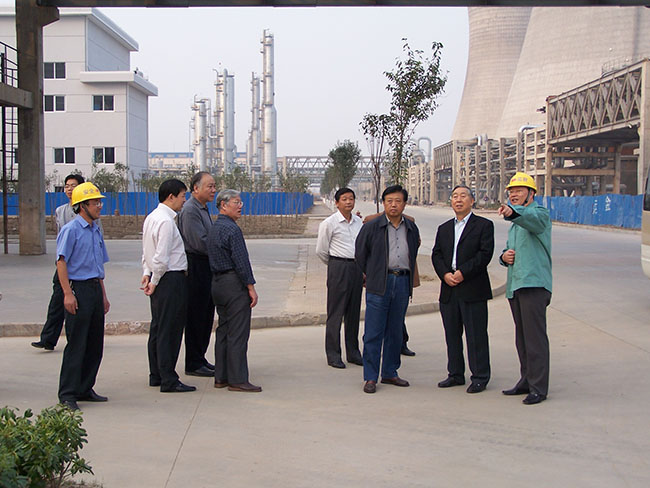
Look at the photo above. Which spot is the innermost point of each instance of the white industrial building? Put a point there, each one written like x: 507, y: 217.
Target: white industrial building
x: 96, y: 107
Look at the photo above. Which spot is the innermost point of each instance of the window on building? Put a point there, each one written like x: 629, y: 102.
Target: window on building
x: 53, y: 71
x: 104, y: 155
x: 103, y: 102
x: 64, y: 155
x: 54, y: 103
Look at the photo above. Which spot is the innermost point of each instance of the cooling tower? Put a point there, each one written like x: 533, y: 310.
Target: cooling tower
x: 566, y: 47
x: 496, y: 35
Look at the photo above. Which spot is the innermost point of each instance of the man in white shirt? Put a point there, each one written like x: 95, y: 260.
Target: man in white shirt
x: 335, y: 247
x: 164, y: 281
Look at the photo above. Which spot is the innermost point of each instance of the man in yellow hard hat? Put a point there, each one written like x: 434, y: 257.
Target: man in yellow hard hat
x: 528, y: 289
x: 81, y: 254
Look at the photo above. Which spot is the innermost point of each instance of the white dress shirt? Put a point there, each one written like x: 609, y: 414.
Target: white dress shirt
x: 459, y: 227
x: 336, y: 236
x: 162, y: 245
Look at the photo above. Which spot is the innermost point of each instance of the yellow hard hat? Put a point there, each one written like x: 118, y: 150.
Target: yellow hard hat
x: 85, y: 191
x: 519, y: 179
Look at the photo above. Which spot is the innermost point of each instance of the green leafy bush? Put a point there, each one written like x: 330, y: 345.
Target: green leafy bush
x: 41, y: 453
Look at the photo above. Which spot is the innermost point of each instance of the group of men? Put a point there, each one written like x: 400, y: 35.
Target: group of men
x: 381, y: 255
x: 189, y: 267
x: 182, y: 279
x: 192, y: 264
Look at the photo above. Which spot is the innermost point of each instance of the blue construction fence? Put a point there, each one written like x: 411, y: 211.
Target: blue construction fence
x: 617, y: 210
x: 141, y: 203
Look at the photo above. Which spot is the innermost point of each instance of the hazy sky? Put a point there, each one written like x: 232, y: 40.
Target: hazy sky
x: 329, y: 65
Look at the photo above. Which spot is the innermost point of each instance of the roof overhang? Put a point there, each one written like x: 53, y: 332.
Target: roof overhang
x: 129, y: 77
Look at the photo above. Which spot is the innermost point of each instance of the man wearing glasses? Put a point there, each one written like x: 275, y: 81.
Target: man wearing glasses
x: 81, y: 254
x: 233, y: 292
x: 55, y: 311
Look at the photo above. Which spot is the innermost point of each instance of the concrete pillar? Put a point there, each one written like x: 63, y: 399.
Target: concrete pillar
x: 30, y: 20
x: 502, y: 170
x: 644, y: 131
x: 616, y: 186
x: 548, y: 176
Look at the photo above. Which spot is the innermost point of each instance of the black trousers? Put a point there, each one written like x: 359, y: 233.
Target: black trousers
x: 85, y: 334
x: 528, y: 306
x: 473, y: 317
x: 344, y: 286
x: 168, y: 315
x: 55, y: 314
x: 200, y: 311
x: 233, y: 330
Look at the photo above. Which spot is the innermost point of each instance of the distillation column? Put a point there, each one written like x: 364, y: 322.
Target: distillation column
x: 200, y: 134
x: 253, y: 148
x: 269, y: 152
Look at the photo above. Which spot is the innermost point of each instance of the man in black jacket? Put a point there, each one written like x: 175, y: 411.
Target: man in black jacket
x: 461, y: 253
x: 386, y: 250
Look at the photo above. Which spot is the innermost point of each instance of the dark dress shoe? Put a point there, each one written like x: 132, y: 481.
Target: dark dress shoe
x: 202, y: 371
x: 245, y: 387
x: 406, y: 351
x: 397, y: 381
x: 533, y: 398
x: 356, y: 360
x: 337, y: 364
x: 70, y: 404
x: 516, y: 391
x: 476, y: 387
x: 154, y: 381
x: 450, y: 381
x: 178, y: 388
x: 42, y: 345
x: 370, y: 386
x: 220, y: 384
x: 209, y: 366
x: 92, y: 397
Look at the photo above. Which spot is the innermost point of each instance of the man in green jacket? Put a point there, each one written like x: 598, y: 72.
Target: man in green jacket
x: 528, y: 258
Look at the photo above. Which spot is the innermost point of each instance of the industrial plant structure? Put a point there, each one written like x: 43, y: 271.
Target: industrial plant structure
x: 562, y: 93
x: 213, y: 134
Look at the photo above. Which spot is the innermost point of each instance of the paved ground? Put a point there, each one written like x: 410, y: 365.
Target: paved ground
x: 313, y: 426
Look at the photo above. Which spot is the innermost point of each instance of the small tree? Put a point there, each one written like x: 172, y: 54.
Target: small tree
x: 345, y: 157
x: 262, y: 183
x: 328, y: 183
x: 237, y: 179
x: 414, y: 85
x: 111, y: 181
x: 376, y: 129
x: 293, y: 183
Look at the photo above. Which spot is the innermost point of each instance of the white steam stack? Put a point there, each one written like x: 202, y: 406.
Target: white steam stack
x: 269, y: 116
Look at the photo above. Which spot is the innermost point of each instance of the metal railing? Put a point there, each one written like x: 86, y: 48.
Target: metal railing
x: 9, y: 142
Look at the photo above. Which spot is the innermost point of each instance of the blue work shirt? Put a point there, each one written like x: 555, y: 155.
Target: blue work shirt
x: 82, y: 247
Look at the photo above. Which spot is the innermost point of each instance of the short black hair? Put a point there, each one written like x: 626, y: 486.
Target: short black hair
x: 74, y: 176
x: 170, y: 187
x: 471, y: 193
x: 196, y: 179
x: 395, y: 189
x: 342, y: 191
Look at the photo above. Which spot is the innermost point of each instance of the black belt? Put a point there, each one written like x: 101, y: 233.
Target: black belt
x: 336, y: 258
x: 90, y: 280
x: 218, y: 273
x: 398, y: 272
x: 197, y: 255
x: 177, y: 271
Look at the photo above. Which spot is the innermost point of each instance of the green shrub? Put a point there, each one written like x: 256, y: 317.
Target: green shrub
x: 42, y: 453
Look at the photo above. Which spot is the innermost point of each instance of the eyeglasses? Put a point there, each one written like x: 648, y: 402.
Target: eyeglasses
x: 239, y: 203
x: 98, y: 203
x: 70, y: 187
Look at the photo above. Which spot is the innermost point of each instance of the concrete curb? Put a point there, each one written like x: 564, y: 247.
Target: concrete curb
x: 288, y: 320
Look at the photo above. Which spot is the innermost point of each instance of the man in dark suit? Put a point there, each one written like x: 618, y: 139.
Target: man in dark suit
x: 461, y: 253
